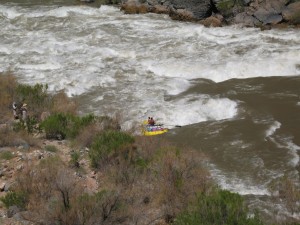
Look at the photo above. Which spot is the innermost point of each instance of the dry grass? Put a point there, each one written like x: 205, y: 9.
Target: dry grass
x: 156, y: 180
x: 8, y: 85
x: 63, y: 104
x: 10, y: 138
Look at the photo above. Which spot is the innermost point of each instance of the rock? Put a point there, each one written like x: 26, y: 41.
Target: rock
x: 273, y: 19
x: 181, y: 14
x: 6, y: 149
x: 2, y: 186
x: 211, y: 22
x: 160, y: 9
x: 87, y: 1
x: 134, y: 7
x: 12, y: 210
x: 190, y: 10
x: 269, y: 12
x: 8, y: 186
x: 247, y: 20
x: 21, y: 144
x: 267, y: 17
x: 291, y: 13
x: 20, y: 167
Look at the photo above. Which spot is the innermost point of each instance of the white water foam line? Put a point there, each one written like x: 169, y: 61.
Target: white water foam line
x: 287, y: 143
x: 237, y: 185
x: 272, y: 129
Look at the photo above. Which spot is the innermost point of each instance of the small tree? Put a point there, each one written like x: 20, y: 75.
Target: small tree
x: 218, y: 207
x: 106, y: 144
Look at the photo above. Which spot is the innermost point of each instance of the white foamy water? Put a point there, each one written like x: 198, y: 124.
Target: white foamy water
x: 272, y: 129
x: 237, y: 185
x: 136, y: 60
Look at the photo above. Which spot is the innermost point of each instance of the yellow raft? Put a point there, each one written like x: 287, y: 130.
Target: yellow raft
x: 153, y: 130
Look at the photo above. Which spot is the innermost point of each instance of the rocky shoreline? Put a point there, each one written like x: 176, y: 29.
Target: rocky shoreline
x: 216, y: 13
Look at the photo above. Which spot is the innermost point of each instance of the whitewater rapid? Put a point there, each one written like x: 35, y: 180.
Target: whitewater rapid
x: 135, y: 61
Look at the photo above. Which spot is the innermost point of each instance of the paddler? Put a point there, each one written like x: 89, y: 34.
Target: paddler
x: 151, y: 122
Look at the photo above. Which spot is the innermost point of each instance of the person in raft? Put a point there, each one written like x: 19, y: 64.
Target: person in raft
x: 151, y: 122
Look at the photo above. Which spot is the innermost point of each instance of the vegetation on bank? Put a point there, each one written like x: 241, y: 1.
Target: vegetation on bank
x: 140, y: 180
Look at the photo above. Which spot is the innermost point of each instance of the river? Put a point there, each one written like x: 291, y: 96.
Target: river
x: 234, y: 91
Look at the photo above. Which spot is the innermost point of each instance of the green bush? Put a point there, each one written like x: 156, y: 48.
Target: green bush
x: 14, y: 198
x: 107, y: 143
x: 220, y: 207
x: 75, y: 159
x: 65, y: 125
x: 30, y: 125
x: 35, y: 96
x: 7, y: 155
x: 51, y: 148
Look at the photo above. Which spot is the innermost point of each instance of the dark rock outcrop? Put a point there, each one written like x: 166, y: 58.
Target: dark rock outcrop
x: 247, y: 12
x: 292, y: 13
x: 192, y: 9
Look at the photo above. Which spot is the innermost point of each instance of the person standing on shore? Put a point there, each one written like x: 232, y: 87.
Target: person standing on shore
x: 15, y: 108
x: 24, y: 111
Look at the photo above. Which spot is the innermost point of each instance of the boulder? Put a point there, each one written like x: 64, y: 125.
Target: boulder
x: 12, y: 210
x: 212, y: 22
x: 269, y: 12
x: 246, y: 19
x: 291, y: 13
x: 134, y: 7
x: 2, y: 186
x: 191, y: 9
x: 159, y: 9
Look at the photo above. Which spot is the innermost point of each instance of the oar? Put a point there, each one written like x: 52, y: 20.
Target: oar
x: 170, y: 125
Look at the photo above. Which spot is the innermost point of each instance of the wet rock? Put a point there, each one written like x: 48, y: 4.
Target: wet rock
x: 87, y: 1
x: 134, y: 7
x: 190, y: 10
x: 159, y: 9
x: 212, y: 22
x: 267, y: 16
x: 246, y: 19
x: 273, y: 19
x: 291, y: 13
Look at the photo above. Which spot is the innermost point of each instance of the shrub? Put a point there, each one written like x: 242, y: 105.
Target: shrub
x: 61, y: 125
x: 7, y: 155
x: 51, y: 148
x: 105, y: 144
x: 75, y: 159
x: 103, y: 207
x: 14, y: 198
x: 7, y: 92
x: 61, y: 103
x: 35, y: 96
x: 219, y: 207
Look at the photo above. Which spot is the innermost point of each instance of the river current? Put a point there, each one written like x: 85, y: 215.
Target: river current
x: 234, y: 91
